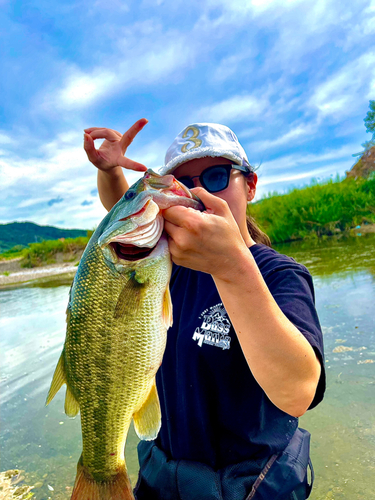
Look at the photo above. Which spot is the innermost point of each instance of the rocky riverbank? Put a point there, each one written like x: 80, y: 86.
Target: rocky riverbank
x: 11, y: 272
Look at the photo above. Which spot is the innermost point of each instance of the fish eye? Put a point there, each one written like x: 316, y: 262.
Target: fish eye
x: 129, y: 194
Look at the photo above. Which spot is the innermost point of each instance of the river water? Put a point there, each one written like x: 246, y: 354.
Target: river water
x: 46, y: 444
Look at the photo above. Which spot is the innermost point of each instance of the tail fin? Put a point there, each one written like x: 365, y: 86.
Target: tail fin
x: 86, y: 488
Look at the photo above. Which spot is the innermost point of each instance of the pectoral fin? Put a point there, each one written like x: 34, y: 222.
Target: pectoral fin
x: 167, y: 309
x: 147, y: 420
x: 58, y: 379
x: 71, y: 404
x: 130, y: 298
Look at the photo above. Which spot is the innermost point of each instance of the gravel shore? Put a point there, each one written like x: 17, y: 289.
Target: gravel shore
x: 32, y: 274
x: 12, y: 273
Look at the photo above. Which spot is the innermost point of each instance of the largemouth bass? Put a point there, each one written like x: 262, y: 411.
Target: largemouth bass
x: 117, y: 318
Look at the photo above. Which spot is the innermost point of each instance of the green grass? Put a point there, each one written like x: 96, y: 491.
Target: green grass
x: 317, y: 210
x: 39, y: 254
x: 13, y: 253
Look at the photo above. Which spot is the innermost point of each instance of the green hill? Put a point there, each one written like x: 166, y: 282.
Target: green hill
x: 23, y: 233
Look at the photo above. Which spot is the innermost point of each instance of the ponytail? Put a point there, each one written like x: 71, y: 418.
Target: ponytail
x: 257, y: 234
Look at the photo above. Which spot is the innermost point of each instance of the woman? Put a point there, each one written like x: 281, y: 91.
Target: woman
x: 244, y: 358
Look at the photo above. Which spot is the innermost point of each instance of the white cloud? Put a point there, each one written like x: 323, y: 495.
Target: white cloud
x: 301, y: 30
x: 5, y: 139
x: 234, y: 109
x: 324, y: 171
x: 294, y: 136
x: 285, y: 181
x: 152, y: 154
x: 114, y: 5
x: 32, y: 201
x: 82, y: 89
x: 340, y: 95
x: 136, y: 62
x: 262, y: 5
x: 253, y: 6
x: 234, y: 65
x: 249, y: 132
x: 60, y: 170
x: 289, y: 162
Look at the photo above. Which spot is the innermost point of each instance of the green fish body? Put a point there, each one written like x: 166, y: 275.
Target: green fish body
x: 117, y: 319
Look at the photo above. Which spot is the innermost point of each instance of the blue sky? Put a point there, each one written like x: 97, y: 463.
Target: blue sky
x: 292, y: 78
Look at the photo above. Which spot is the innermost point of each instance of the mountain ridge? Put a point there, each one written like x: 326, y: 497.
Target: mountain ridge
x: 23, y: 233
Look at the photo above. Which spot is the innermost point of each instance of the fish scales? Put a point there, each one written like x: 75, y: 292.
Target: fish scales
x: 89, y: 348
x: 117, y: 319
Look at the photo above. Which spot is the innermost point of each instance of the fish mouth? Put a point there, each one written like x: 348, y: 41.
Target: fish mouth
x: 130, y: 252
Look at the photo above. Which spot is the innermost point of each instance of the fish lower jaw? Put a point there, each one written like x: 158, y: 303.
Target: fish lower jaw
x: 130, y: 253
x: 121, y: 256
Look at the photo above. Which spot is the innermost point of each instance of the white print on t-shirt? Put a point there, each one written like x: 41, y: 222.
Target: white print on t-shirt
x: 214, y: 328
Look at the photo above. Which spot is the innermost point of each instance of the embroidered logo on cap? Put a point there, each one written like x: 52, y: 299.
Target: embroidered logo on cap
x: 192, y: 138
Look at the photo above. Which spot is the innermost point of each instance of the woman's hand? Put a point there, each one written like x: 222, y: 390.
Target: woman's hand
x: 111, y: 152
x: 109, y: 159
x: 208, y: 241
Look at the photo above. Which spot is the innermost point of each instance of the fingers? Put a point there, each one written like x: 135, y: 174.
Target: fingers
x: 89, y: 147
x: 110, y: 153
x: 213, y: 203
x: 178, y: 241
x: 180, y: 216
x: 175, y: 252
x: 129, y: 135
x: 131, y: 165
x: 103, y: 133
x: 169, y: 228
x: 113, y: 135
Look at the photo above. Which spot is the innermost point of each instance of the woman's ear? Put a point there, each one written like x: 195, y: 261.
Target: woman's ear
x: 251, y: 181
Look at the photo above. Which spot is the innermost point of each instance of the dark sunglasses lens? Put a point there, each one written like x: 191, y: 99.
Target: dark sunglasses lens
x: 215, y: 179
x: 186, y: 181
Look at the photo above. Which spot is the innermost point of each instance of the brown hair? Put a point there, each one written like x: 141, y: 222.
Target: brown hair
x: 256, y: 233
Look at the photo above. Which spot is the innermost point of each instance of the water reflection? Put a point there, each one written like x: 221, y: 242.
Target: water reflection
x: 47, y: 444
x: 343, y: 426
x: 334, y: 256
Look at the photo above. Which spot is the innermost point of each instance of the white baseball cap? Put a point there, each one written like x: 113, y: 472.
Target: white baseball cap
x: 205, y: 139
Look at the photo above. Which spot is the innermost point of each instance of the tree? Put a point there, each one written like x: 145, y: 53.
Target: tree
x: 370, y: 120
x: 370, y: 127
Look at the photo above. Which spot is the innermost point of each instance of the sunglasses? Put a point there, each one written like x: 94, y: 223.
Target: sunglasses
x: 213, y: 179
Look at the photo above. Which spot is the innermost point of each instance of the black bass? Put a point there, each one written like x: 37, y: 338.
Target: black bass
x: 117, y: 319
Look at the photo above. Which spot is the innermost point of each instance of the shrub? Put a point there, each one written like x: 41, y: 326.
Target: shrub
x: 38, y: 254
x: 316, y: 210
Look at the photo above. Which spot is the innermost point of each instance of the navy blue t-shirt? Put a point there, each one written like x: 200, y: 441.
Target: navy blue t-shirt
x: 213, y: 410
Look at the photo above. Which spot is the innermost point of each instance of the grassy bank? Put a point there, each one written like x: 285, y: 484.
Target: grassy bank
x: 39, y: 254
x: 317, y: 210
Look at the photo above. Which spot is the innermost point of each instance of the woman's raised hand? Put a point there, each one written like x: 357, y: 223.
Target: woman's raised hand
x: 111, y: 152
